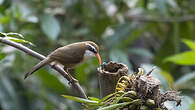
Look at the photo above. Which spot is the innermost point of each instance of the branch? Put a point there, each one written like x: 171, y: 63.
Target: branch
x: 161, y: 19
x: 76, y: 88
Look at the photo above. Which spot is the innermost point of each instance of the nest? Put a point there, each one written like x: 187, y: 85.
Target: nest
x: 143, y: 90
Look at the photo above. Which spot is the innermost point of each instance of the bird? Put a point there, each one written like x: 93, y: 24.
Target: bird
x: 69, y: 56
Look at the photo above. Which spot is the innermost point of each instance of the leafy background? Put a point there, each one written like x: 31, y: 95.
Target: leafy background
x: 142, y: 33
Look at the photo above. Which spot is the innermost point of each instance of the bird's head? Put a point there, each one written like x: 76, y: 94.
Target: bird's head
x: 92, y: 49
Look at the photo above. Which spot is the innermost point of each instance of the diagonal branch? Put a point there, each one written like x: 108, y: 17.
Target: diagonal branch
x: 76, y: 88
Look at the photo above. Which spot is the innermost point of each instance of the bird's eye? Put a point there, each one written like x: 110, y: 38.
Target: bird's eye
x: 91, y: 48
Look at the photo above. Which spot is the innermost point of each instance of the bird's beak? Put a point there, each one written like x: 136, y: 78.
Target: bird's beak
x: 98, y: 56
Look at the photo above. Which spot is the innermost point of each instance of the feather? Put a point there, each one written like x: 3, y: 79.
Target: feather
x: 38, y: 66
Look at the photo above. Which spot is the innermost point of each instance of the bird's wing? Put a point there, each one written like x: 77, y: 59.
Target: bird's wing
x: 38, y: 66
x: 66, y: 54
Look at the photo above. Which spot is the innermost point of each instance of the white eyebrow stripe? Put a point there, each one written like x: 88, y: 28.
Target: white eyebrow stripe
x: 91, y: 46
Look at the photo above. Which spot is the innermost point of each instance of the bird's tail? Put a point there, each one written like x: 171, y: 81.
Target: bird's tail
x: 38, y: 66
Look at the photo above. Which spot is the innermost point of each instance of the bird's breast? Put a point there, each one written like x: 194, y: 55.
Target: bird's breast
x: 88, y: 54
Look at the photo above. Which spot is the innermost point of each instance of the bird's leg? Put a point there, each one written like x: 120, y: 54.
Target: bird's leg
x: 71, y: 78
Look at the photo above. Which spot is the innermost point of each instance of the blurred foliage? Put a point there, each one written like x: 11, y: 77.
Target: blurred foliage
x: 185, y: 58
x: 192, y: 106
x: 113, y: 24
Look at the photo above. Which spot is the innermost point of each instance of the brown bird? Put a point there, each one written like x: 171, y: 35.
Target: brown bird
x: 69, y: 56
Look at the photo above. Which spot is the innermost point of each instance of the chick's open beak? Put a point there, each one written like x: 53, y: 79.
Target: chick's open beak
x: 98, y: 56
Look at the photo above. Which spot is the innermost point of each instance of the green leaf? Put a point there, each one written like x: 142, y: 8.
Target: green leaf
x: 94, y: 99
x: 193, y: 106
x: 2, y: 56
x: 81, y: 100
x: 19, y: 40
x: 2, y: 34
x: 186, y: 58
x: 50, y: 26
x: 114, y: 106
x: 108, y: 96
x: 119, y: 56
x: 189, y: 43
x: 11, y: 34
x: 121, y: 97
x: 5, y: 19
